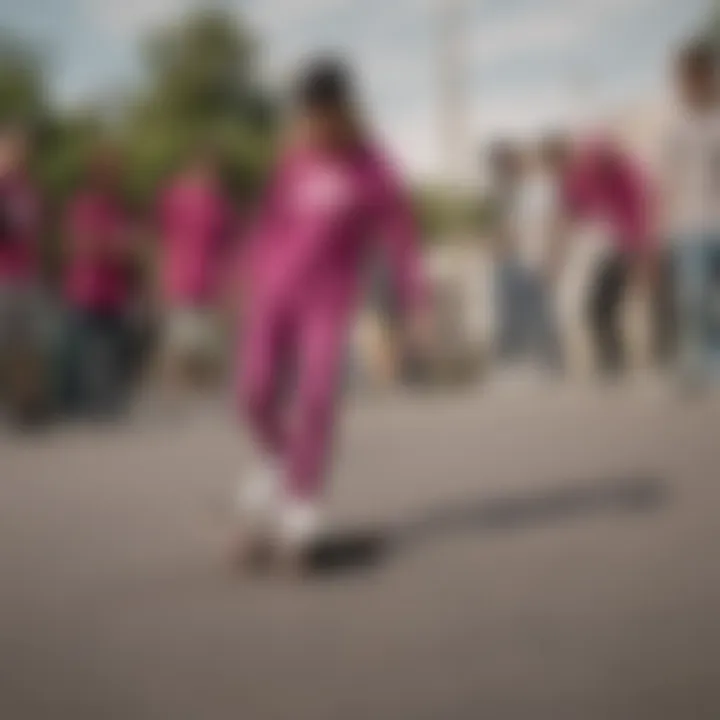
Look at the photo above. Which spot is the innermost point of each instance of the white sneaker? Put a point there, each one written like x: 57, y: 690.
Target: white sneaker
x: 300, y: 524
x: 258, y: 494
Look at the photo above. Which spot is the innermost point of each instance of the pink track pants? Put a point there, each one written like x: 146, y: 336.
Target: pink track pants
x: 295, y: 425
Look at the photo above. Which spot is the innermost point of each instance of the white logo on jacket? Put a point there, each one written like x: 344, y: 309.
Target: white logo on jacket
x: 323, y: 190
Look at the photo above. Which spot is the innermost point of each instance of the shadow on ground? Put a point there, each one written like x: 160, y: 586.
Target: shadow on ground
x: 363, y: 549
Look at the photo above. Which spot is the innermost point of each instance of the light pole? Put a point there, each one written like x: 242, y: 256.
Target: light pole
x: 451, y: 90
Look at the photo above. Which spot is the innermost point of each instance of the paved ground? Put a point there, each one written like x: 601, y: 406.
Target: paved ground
x: 549, y: 554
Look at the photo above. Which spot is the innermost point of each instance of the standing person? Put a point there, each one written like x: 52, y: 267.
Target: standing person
x: 332, y: 199
x: 195, y: 225
x: 24, y: 331
x: 536, y: 219
x: 602, y: 183
x: 506, y: 172
x: 100, y: 256
x: 691, y: 183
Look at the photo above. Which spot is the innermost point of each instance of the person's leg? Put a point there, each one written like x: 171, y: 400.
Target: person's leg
x: 93, y: 363
x: 178, y: 346
x: 126, y: 348
x: 713, y: 304
x: 260, y: 381
x: 604, y: 314
x: 664, y: 311
x: 545, y: 337
x: 509, y: 310
x: 110, y: 359
x: 691, y: 293
x: 167, y: 354
x: 259, y: 387
x: 31, y: 341
x: 321, y: 354
x: 203, y: 350
x: 524, y: 321
x: 5, y: 345
x: 71, y: 357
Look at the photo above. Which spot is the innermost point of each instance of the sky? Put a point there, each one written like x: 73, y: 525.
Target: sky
x: 528, y: 64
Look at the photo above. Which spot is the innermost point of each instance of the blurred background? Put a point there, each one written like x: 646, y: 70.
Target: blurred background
x: 156, y: 82
x: 553, y: 531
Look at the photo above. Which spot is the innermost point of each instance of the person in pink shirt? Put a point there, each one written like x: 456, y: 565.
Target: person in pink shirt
x: 100, y: 251
x: 333, y: 201
x: 603, y: 183
x: 25, y: 336
x: 195, y: 226
x: 19, y: 213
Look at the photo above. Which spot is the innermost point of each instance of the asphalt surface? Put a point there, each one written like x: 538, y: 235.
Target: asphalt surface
x: 541, y: 552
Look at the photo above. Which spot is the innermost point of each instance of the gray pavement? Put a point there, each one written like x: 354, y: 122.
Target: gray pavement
x: 548, y: 553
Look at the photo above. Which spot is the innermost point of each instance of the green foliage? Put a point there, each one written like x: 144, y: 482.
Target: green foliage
x: 444, y: 214
x: 64, y: 146
x: 201, y: 91
x: 200, y: 69
x: 22, y: 90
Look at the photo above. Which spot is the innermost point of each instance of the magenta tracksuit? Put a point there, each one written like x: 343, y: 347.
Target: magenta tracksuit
x: 19, y: 252
x: 623, y: 200
x: 195, y: 223
x: 322, y: 219
x: 97, y: 277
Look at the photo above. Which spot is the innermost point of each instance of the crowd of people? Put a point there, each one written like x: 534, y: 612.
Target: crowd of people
x: 294, y: 274
x: 73, y: 345
x: 662, y: 231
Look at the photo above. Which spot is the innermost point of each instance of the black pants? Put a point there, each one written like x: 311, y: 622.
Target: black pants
x: 605, y: 313
x: 95, y: 363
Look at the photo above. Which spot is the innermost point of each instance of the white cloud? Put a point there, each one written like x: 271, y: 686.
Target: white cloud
x: 282, y: 15
x: 413, y: 143
x: 130, y: 17
x: 530, y: 35
x: 398, y: 70
x: 553, y: 25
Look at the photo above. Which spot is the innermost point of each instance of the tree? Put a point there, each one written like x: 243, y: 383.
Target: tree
x: 22, y: 86
x: 201, y: 89
x: 710, y: 31
x: 442, y: 215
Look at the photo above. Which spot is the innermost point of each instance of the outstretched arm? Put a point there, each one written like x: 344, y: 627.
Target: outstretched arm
x: 398, y: 232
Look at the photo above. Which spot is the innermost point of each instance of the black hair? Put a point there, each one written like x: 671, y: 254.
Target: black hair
x: 698, y: 59
x: 325, y: 84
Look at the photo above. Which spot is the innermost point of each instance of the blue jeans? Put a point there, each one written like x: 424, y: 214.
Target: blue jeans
x: 528, y: 327
x: 697, y: 273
